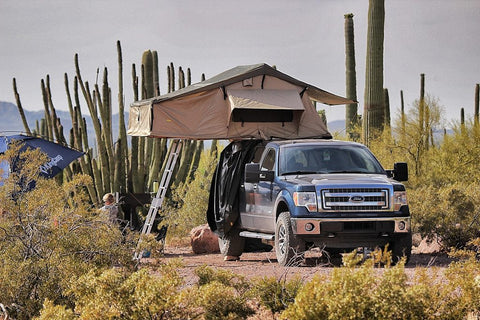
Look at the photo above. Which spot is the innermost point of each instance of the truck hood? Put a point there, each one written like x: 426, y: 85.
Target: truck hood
x: 339, y: 179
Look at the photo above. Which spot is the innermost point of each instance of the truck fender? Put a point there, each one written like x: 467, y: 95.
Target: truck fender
x: 284, y: 202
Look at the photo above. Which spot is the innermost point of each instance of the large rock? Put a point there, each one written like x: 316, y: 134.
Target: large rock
x: 203, y: 240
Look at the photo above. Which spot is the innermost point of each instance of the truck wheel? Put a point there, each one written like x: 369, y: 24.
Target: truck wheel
x: 402, y: 246
x: 232, y: 244
x: 288, y: 248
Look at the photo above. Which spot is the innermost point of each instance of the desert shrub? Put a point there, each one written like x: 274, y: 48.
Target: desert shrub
x: 362, y: 293
x: 220, y: 301
x: 228, y: 278
x: 276, y: 294
x: 51, y: 311
x: 190, y: 201
x: 451, y: 212
x: 464, y: 277
x: 222, y: 294
x: 116, y: 294
x: 49, y: 235
x: 346, y: 295
x: 455, y: 159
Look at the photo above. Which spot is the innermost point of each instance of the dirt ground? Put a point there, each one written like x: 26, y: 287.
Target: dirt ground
x: 259, y: 264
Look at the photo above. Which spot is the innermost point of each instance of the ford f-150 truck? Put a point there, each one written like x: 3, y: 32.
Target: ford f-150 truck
x: 325, y: 193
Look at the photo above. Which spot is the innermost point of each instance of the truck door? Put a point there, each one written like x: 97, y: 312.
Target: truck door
x: 265, y: 196
x: 247, y: 195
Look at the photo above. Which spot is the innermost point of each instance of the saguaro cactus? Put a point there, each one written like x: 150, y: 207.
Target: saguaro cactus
x: 386, y: 104
x: 402, y: 113
x: 462, y: 120
x: 477, y: 89
x: 351, y: 76
x: 374, y: 112
x: 421, y: 109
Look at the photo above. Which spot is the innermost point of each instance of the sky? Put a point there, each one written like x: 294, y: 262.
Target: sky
x: 304, y: 39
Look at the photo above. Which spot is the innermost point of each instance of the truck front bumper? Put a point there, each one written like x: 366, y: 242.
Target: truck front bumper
x: 331, y: 227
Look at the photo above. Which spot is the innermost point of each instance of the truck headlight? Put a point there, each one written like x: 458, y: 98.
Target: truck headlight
x: 306, y: 199
x: 399, y: 199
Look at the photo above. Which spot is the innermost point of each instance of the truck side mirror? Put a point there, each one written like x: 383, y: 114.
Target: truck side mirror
x: 400, y: 171
x: 253, y: 174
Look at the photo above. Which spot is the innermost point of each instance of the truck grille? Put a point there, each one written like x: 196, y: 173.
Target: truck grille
x: 355, y: 199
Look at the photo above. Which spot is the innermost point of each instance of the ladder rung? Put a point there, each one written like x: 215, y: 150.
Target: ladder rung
x: 156, y: 202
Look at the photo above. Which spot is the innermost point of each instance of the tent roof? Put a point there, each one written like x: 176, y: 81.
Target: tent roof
x: 245, y: 72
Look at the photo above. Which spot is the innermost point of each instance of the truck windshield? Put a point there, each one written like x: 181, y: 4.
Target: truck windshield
x: 309, y: 159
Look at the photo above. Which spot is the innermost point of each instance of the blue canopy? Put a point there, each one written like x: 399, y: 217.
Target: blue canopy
x: 59, y: 156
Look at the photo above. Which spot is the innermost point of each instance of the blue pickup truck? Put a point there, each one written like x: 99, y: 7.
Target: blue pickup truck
x: 325, y: 193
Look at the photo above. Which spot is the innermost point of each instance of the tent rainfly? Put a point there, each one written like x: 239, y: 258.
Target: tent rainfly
x: 246, y: 102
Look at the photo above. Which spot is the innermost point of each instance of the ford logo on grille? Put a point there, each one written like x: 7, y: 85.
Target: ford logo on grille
x: 356, y: 199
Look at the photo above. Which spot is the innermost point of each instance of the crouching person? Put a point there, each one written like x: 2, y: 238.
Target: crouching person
x: 111, y: 208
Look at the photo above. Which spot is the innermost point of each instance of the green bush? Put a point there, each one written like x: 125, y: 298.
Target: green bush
x: 276, y: 294
x: 51, y: 311
x: 364, y: 293
x: 222, y: 294
x: 50, y: 235
x: 208, y: 274
x: 191, y: 200
x: 220, y: 301
x: 116, y: 294
x: 451, y: 212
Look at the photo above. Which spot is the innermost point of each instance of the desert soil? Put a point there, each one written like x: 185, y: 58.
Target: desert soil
x: 259, y: 264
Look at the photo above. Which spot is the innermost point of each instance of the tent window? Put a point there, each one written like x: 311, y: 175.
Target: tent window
x: 247, y: 82
x: 262, y: 115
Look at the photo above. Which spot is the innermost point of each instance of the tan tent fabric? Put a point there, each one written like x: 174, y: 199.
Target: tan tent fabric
x: 199, y: 116
x: 139, y: 120
x: 265, y: 99
x: 242, y: 103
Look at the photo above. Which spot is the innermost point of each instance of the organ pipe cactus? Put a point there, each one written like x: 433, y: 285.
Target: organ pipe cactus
x: 20, y: 108
x: 103, y: 161
x: 112, y: 166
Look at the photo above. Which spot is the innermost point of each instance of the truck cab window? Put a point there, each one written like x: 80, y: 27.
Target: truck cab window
x: 269, y: 161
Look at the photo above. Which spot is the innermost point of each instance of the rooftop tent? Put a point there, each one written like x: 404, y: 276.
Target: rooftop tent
x: 246, y: 102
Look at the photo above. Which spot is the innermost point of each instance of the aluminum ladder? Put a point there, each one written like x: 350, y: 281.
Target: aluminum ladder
x: 160, y: 197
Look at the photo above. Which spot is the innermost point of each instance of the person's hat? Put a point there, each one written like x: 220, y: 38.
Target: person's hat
x: 107, y: 196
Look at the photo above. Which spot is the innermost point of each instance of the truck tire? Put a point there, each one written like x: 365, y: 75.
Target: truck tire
x: 401, y: 247
x: 232, y: 244
x: 288, y: 248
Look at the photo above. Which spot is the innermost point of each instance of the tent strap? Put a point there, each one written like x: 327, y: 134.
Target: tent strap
x: 302, y: 92
x: 224, y: 93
